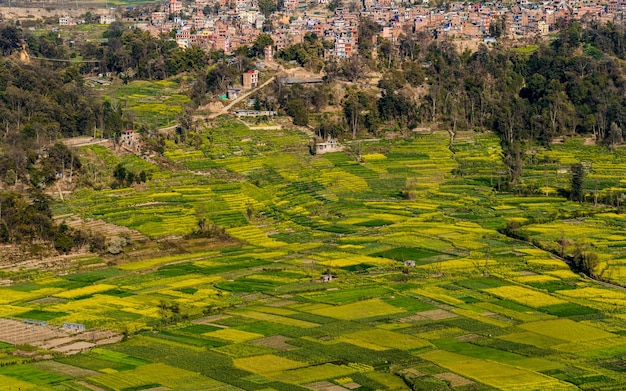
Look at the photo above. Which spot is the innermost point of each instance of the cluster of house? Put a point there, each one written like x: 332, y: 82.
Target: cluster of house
x: 238, y: 22
x: 249, y: 80
x: 522, y: 19
x: 71, y: 21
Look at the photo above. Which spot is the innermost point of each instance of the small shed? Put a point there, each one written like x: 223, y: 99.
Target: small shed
x: 330, y: 145
x: 233, y: 93
x: 409, y: 263
x: 326, y: 277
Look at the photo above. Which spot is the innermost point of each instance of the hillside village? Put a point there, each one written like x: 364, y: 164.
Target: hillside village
x: 229, y: 25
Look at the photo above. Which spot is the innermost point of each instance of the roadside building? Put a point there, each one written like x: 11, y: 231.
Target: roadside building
x: 251, y: 79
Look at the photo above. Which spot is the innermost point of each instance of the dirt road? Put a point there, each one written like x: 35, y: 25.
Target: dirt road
x: 225, y: 109
x: 84, y: 141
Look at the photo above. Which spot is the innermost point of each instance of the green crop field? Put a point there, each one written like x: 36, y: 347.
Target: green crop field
x: 478, y: 311
x: 156, y: 103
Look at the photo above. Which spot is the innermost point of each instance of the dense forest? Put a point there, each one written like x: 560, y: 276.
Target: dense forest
x: 570, y: 85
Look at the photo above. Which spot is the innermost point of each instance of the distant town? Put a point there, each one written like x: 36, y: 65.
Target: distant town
x: 227, y: 25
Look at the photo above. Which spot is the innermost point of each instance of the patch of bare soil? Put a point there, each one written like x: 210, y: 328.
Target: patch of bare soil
x: 107, y: 229
x: 557, y: 140
x: 325, y: 386
x: 87, y: 140
x: 275, y: 342
x: 454, y: 379
x: 15, y: 258
x: 467, y: 337
x: 462, y: 45
x: 208, y: 320
x: 591, y: 140
x: 302, y: 73
x: 437, y: 314
x: 65, y: 369
x: 211, y: 107
x: 413, y: 372
x: 53, y: 338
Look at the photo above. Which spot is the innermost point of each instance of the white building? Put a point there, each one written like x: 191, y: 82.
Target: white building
x: 67, y: 21
x: 107, y: 19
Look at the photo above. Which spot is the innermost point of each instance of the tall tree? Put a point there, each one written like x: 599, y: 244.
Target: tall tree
x: 10, y: 39
x: 267, y: 7
x: 578, y: 182
x: 296, y: 108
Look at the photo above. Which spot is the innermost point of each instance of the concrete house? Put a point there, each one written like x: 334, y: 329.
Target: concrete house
x: 251, y: 79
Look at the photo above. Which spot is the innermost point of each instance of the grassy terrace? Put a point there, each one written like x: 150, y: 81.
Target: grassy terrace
x: 479, y: 311
x: 157, y: 104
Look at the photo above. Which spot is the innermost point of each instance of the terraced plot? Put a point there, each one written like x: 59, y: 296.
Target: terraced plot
x: 477, y: 309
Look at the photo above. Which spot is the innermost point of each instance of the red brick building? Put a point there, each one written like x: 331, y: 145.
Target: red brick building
x: 251, y: 79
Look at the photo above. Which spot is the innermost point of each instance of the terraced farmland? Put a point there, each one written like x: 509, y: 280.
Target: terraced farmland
x: 476, y: 310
